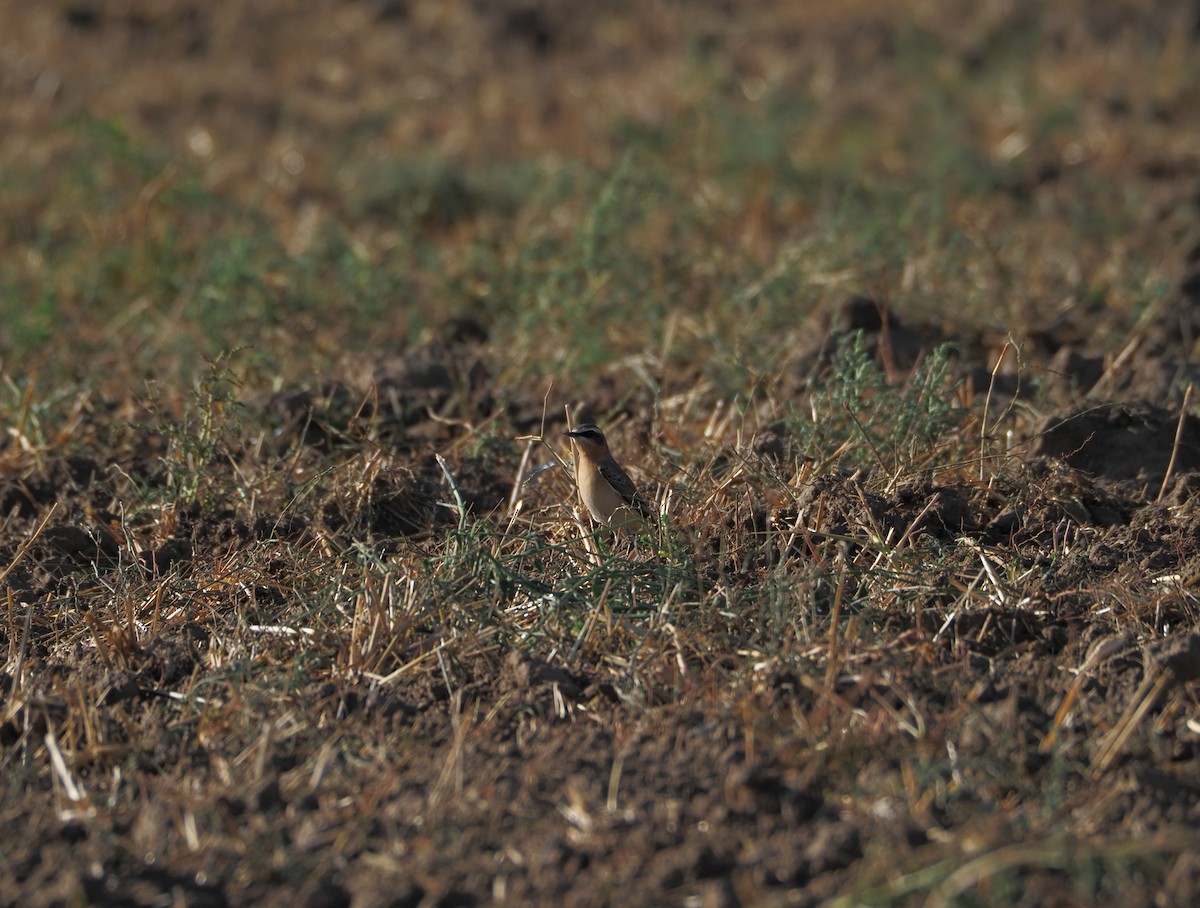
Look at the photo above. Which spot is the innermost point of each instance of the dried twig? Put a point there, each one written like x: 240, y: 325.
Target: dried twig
x: 1174, y: 661
x: 1183, y: 411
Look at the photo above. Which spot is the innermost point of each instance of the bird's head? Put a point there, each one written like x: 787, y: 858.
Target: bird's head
x: 589, y: 440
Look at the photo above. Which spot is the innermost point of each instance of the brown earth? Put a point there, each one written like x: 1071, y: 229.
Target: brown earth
x: 231, y: 701
x: 710, y: 766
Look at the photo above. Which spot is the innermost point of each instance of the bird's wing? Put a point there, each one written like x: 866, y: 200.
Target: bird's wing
x: 623, y: 486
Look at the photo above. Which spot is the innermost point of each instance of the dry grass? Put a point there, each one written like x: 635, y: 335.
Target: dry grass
x: 888, y: 310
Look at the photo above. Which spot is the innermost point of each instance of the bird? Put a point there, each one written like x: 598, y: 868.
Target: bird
x: 604, y: 487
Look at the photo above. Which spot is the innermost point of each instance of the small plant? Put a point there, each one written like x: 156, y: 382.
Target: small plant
x: 874, y: 423
x: 197, y: 439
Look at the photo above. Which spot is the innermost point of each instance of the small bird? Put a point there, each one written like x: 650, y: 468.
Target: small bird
x: 604, y: 487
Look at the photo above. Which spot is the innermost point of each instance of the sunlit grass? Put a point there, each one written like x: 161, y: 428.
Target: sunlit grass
x: 247, y: 416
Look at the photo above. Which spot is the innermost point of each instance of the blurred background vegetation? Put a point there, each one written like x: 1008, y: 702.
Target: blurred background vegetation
x: 588, y: 183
